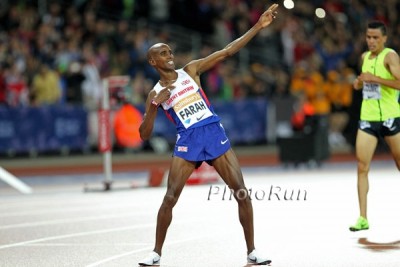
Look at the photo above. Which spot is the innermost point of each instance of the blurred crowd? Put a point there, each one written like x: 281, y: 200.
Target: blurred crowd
x: 57, y: 52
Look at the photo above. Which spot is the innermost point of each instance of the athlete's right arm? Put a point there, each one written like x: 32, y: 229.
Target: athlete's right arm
x: 146, y: 127
x: 152, y: 103
x: 358, y: 83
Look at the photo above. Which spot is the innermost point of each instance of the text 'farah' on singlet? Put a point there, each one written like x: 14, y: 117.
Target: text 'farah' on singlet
x: 187, y: 107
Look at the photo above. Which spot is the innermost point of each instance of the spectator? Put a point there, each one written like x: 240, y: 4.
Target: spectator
x: 310, y: 83
x: 92, y: 86
x: 303, y: 114
x: 17, y: 92
x: 46, y: 86
x: 127, y: 120
x: 73, y: 81
x: 339, y: 91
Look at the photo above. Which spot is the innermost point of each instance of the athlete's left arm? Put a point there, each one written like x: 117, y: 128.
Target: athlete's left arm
x: 392, y: 64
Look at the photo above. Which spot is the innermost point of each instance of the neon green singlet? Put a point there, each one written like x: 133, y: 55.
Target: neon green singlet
x: 379, y: 101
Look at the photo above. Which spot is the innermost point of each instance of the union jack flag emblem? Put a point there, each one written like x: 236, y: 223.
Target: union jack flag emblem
x: 182, y: 149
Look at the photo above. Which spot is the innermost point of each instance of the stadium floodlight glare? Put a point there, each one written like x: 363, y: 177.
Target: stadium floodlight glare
x: 288, y: 4
x: 320, y: 13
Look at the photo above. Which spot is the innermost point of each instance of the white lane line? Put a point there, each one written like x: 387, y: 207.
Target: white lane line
x: 57, y: 237
x: 53, y: 205
x: 89, y: 206
x: 33, y: 241
x: 119, y: 256
x: 97, y: 263
x: 74, y: 220
x: 127, y: 244
x: 80, y: 219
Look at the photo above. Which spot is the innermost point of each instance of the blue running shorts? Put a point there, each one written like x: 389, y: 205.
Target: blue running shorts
x: 203, y: 143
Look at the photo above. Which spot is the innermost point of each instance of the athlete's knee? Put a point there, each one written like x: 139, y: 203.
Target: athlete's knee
x: 363, y: 167
x: 170, y: 200
x: 241, y: 195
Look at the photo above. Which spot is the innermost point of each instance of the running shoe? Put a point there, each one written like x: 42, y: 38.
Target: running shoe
x: 361, y: 224
x: 153, y: 259
x: 255, y: 259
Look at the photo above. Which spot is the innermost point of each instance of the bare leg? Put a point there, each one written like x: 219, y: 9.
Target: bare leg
x: 228, y: 168
x: 394, y: 144
x: 365, y: 148
x: 179, y: 173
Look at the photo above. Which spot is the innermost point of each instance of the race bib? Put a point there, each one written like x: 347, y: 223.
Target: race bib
x: 371, y: 91
x: 192, y: 109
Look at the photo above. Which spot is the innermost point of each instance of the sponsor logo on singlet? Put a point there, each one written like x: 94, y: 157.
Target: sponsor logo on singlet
x: 192, y: 109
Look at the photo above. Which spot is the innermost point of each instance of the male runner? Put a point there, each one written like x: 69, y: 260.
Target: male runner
x: 380, y: 113
x: 201, y: 136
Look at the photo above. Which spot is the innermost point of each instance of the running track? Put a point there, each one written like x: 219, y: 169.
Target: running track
x: 61, y: 225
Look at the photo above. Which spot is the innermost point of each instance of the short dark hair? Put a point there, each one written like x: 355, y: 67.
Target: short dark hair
x: 377, y: 25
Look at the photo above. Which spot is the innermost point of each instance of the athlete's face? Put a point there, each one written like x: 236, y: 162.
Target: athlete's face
x: 375, y: 40
x: 161, y: 57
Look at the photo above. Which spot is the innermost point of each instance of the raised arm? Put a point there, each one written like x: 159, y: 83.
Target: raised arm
x: 196, y: 67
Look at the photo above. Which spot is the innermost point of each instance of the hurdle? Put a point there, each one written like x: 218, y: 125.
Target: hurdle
x: 105, y: 128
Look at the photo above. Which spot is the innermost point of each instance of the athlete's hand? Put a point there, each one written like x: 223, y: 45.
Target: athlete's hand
x: 268, y: 16
x: 357, y: 84
x: 164, y: 94
x: 367, y: 77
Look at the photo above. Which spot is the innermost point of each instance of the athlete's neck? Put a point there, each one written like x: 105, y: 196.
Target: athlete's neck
x: 376, y: 53
x: 168, y: 79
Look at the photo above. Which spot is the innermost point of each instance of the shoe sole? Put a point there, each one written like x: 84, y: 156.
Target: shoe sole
x: 356, y: 230
x: 145, y: 264
x: 260, y: 263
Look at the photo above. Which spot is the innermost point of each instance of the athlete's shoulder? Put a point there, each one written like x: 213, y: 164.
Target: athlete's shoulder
x: 391, y: 55
x: 191, y: 68
x: 389, y: 50
x: 364, y: 56
x: 181, y: 72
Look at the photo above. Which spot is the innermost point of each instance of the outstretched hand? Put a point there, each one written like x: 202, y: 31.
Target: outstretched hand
x: 268, y: 16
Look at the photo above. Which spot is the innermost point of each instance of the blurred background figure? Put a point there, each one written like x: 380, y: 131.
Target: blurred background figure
x: 340, y: 92
x: 17, y: 91
x: 2, y: 85
x: 46, y: 88
x: 73, y: 83
x: 303, y: 117
x: 127, y: 119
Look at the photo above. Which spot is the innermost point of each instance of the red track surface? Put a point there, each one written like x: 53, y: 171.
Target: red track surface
x: 138, y: 162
